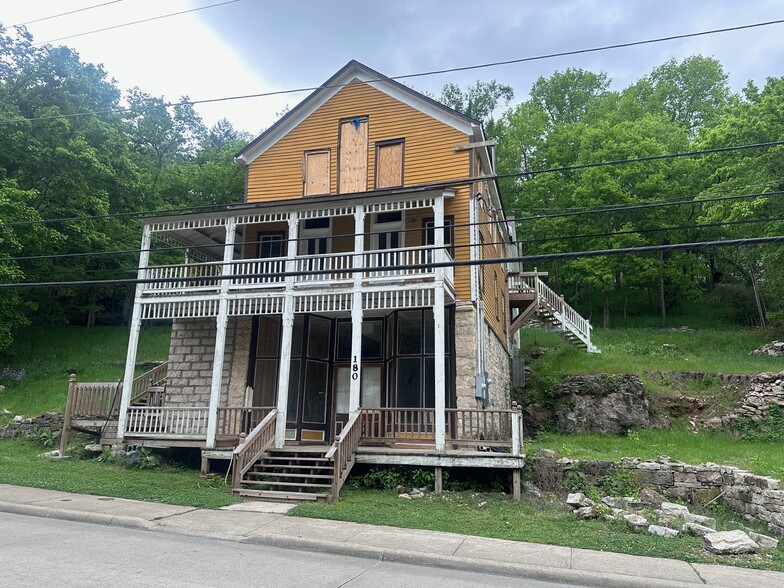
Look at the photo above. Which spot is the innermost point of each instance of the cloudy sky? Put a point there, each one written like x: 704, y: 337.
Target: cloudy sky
x: 254, y: 46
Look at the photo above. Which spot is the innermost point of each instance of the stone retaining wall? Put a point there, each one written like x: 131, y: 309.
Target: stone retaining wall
x: 758, y: 498
x: 49, y: 420
x: 764, y: 390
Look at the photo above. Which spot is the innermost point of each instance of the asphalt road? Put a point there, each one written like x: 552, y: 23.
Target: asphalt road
x: 46, y: 552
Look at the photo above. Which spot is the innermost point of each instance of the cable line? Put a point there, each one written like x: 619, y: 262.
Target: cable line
x: 127, y: 24
x: 404, y: 76
x: 23, y: 24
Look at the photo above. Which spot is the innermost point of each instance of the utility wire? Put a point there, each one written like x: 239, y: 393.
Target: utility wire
x: 127, y: 24
x: 29, y: 22
x: 412, y: 75
x: 420, y: 266
x: 430, y: 185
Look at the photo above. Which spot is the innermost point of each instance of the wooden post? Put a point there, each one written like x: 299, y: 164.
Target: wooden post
x: 133, y: 339
x: 439, y: 482
x: 67, y: 415
x: 516, y: 429
x: 358, y: 261
x: 516, y: 494
x: 438, y: 325
x: 220, y: 336
x: 288, y: 331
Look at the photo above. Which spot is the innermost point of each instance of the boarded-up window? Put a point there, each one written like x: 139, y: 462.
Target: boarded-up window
x: 315, y: 172
x: 353, y: 159
x: 389, y: 164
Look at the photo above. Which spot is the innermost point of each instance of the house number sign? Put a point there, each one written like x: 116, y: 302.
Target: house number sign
x: 355, y: 369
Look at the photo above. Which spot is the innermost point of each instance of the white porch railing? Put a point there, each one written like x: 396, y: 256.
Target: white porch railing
x: 316, y: 270
x: 186, y: 421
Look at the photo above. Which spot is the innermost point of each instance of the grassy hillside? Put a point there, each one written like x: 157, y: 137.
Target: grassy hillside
x: 35, y: 370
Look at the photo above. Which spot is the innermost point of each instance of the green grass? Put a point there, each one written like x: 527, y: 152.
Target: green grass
x: 639, y: 350
x: 761, y: 458
x: 20, y: 465
x: 49, y: 356
x: 544, y: 520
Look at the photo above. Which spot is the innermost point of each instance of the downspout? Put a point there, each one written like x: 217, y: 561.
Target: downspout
x: 475, y: 268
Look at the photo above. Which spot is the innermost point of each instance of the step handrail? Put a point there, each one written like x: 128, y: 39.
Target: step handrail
x: 342, y: 454
x: 144, y: 381
x: 256, y: 443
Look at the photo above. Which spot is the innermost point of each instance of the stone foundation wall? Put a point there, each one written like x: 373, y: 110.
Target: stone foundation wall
x: 19, y: 427
x: 498, y: 366
x: 465, y: 356
x: 759, y: 498
x: 191, y: 354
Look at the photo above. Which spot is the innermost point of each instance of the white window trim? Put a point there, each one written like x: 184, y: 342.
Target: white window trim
x: 376, y: 228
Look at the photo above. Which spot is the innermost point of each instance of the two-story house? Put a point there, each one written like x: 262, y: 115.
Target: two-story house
x: 348, y: 311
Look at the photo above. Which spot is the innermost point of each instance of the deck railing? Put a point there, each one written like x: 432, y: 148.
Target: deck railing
x: 258, y: 273
x: 92, y: 400
x: 471, y: 428
x: 388, y: 425
x: 330, y: 267
x: 342, y: 453
x: 256, y: 443
x: 185, y: 421
x: 234, y: 421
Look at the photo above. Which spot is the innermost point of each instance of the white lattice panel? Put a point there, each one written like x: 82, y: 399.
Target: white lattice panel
x: 262, y: 217
x: 194, y: 223
x: 326, y: 212
x: 322, y: 302
x: 390, y: 300
x: 392, y: 205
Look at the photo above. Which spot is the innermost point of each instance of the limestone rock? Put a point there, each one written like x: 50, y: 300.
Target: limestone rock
x: 699, y: 520
x: 587, y: 512
x: 547, y: 453
x: 400, y: 489
x: 670, y: 509
x: 94, y: 448
x: 764, y: 540
x: 651, y: 497
x: 578, y: 499
x: 636, y: 522
x: 696, y: 529
x: 729, y: 543
x: 601, y: 403
x: 662, y: 531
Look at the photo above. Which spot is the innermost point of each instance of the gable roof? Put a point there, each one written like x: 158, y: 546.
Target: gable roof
x: 351, y: 71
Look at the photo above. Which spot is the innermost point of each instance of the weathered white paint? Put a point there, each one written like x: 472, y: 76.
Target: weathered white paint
x: 288, y: 328
x: 133, y: 340
x: 438, y: 324
x: 220, y: 336
x: 356, y: 310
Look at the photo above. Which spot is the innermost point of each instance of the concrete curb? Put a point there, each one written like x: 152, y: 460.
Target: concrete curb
x: 528, y: 571
x: 78, y: 516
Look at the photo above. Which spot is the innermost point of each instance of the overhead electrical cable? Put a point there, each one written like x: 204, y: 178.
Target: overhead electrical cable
x: 29, y: 22
x: 407, y: 267
x: 403, y: 76
x: 127, y: 24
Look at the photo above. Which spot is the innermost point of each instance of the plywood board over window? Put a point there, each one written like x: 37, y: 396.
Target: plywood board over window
x: 315, y: 172
x: 353, y: 155
x: 389, y: 164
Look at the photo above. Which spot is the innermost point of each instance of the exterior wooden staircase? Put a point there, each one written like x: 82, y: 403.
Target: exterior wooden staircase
x: 289, y: 474
x: 531, y: 298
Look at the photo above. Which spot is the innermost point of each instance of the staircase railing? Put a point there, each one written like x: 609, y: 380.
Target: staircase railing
x: 342, y: 454
x: 256, y: 443
x: 147, y: 379
x: 568, y: 316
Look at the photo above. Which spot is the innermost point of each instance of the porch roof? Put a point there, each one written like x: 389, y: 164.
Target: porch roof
x: 204, y: 231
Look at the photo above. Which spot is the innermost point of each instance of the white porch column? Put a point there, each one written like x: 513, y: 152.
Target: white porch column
x: 356, y: 308
x: 438, y: 323
x: 133, y: 340
x: 220, y: 335
x: 288, y: 328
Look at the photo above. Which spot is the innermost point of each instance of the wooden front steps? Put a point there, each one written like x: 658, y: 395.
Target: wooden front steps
x: 290, y: 474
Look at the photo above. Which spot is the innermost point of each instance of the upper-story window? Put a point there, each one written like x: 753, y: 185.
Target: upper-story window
x: 315, y: 172
x: 389, y: 163
x: 353, y: 155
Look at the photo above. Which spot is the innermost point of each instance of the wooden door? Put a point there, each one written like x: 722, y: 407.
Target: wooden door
x: 353, y: 155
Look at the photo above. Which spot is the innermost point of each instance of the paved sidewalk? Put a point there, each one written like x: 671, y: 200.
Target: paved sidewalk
x: 266, y: 523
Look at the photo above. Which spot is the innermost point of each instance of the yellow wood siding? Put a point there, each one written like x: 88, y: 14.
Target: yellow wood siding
x: 495, y: 292
x: 429, y: 154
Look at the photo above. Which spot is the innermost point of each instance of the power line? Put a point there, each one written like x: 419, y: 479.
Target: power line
x: 654, y: 230
x: 432, y: 185
x: 647, y: 205
x: 419, y: 266
x: 29, y: 22
x: 403, y: 76
x: 127, y: 24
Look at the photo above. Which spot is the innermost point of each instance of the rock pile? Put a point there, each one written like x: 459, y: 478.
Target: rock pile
x: 773, y: 348
x: 764, y: 390
x: 670, y: 520
x: 20, y: 426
